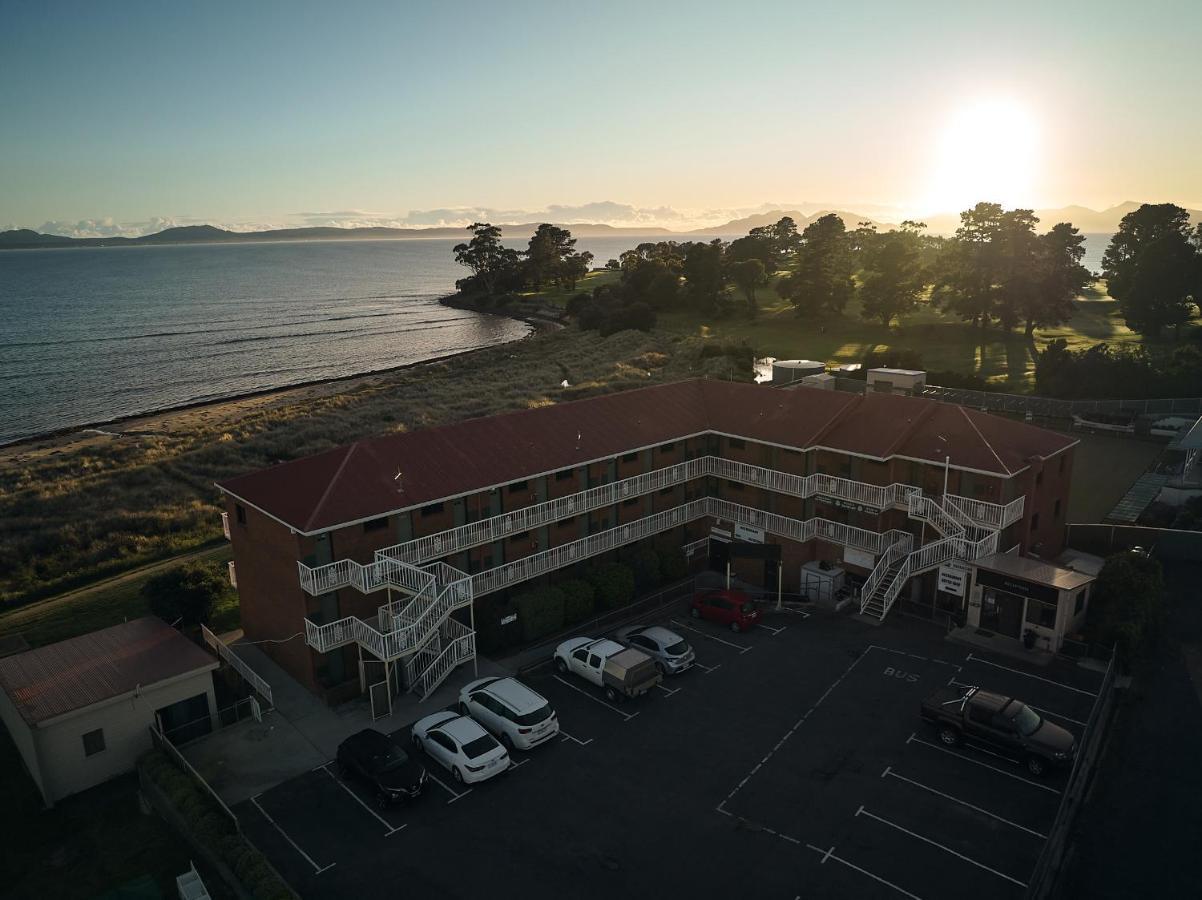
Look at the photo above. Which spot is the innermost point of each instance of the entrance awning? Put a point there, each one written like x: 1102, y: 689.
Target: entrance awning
x: 1035, y: 571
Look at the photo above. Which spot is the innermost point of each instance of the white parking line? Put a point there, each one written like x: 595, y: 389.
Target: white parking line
x: 707, y: 669
x: 668, y: 691
x: 889, y: 773
x: 455, y: 795
x: 517, y: 765
x: 913, y: 834
x: 775, y: 631
x: 611, y: 708
x: 379, y: 818
x: 742, y: 648
x: 1067, y: 687
x: 830, y: 854
x: 317, y: 870
x: 914, y: 738
x: 576, y: 740
x: 796, y: 612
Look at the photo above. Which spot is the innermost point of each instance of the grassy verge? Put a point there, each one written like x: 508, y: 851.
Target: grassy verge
x: 558, y: 296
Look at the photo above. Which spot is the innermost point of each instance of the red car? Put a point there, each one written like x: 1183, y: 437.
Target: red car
x: 732, y: 608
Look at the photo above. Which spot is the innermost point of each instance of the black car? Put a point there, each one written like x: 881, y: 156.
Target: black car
x: 377, y: 759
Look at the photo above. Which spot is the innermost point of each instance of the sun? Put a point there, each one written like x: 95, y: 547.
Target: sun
x: 986, y: 151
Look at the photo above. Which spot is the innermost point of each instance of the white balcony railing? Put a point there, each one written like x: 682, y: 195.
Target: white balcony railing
x: 225, y: 525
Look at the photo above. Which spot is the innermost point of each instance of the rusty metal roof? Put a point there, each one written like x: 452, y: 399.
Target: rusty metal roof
x: 59, y: 678
x: 378, y: 476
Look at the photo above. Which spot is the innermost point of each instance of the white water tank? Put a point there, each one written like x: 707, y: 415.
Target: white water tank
x: 785, y: 371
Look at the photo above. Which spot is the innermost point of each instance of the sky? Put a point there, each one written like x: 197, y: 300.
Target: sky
x: 127, y: 117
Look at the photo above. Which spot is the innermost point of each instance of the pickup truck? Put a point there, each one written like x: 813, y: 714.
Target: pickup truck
x: 619, y: 671
x: 1001, y: 722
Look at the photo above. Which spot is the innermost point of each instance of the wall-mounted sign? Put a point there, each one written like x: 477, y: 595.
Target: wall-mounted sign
x: 751, y: 535
x: 720, y: 533
x: 861, y: 558
x: 953, y: 580
x: 512, y: 617
x: 1018, y: 586
x: 847, y: 504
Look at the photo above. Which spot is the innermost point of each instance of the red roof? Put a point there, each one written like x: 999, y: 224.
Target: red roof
x: 58, y: 678
x: 377, y: 476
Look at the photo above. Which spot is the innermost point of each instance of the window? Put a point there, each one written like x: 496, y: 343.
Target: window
x: 432, y: 510
x: 665, y: 491
x: 581, y: 655
x: 93, y: 742
x: 979, y: 714
x: 630, y: 501
x: 630, y: 457
x: 518, y: 486
x: 1040, y: 613
x: 1056, y: 510
x: 594, y: 661
x: 736, y: 443
x: 520, y: 536
x: 240, y: 513
x: 565, y: 475
x: 667, y: 448
x: 1035, y: 521
x: 376, y: 524
x: 565, y: 523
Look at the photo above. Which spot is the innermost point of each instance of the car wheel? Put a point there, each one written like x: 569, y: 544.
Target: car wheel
x: 659, y: 667
x: 417, y: 742
x: 611, y: 695
x: 695, y: 612
x: 949, y: 737
x: 507, y: 742
x: 1036, y: 765
x: 734, y: 626
x: 382, y: 801
x: 561, y: 666
x: 458, y: 775
x: 343, y: 771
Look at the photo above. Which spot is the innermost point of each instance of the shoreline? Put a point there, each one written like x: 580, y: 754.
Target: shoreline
x: 157, y: 421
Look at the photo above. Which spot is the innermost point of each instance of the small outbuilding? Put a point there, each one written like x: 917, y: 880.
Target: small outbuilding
x: 80, y: 711
x: 1012, y: 595
x: 897, y: 381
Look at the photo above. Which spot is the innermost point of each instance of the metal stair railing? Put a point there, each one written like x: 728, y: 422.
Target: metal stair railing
x: 365, y: 578
x: 457, y: 652
x: 896, y: 551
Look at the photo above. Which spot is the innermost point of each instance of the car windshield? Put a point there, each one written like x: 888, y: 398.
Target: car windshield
x: 535, y: 716
x: 680, y: 648
x: 1027, y: 721
x: 478, y: 747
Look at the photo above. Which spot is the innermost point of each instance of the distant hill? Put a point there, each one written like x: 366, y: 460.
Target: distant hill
x: 24, y: 238
x: 1086, y: 220
x: 759, y: 220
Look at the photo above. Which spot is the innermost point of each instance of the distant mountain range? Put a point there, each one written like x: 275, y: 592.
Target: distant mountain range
x: 1089, y: 221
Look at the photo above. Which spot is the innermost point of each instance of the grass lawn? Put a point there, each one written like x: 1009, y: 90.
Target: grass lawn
x: 1103, y: 469
x: 944, y: 342
x: 558, y: 296
x: 87, y: 844
x: 111, y: 602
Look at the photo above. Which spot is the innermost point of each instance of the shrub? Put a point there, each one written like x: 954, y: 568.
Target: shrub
x: 491, y: 635
x: 577, y: 599
x: 187, y: 592
x: 645, y: 563
x: 540, y: 612
x: 672, y: 563
x: 613, y: 585
x: 1127, y: 604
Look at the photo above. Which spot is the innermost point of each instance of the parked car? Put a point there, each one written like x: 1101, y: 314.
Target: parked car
x: 379, y: 761
x: 461, y: 746
x: 1002, y: 722
x: 733, y: 609
x: 619, y: 671
x: 520, y: 717
x: 670, y: 652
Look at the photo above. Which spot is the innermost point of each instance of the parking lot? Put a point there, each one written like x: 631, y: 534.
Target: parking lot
x: 790, y: 762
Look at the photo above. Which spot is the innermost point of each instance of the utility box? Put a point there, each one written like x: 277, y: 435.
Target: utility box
x: 823, y: 382
x: 821, y: 584
x: 897, y: 381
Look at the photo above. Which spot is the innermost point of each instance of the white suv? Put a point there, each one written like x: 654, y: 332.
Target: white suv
x: 521, y: 718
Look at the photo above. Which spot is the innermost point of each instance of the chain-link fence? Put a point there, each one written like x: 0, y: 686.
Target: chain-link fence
x: 1049, y: 868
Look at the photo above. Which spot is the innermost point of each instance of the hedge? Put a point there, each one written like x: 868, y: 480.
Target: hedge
x: 577, y: 600
x: 613, y: 585
x: 540, y: 612
x: 212, y: 827
x: 673, y: 565
x: 645, y: 563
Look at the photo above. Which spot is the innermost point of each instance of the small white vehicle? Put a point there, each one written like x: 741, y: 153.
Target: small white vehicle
x: 520, y: 717
x: 460, y: 746
x: 668, y: 650
x: 619, y: 671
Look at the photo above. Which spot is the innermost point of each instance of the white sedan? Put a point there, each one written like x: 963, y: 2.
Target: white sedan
x: 460, y: 746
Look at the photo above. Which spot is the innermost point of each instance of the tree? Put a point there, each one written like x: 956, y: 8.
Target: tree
x: 781, y: 237
x: 968, y: 267
x: 186, y: 593
x: 705, y: 277
x: 486, y: 256
x: 1152, y: 267
x: 894, y: 276
x: 748, y: 275
x: 549, y: 247
x: 753, y: 247
x: 1127, y: 604
x: 1058, y: 279
x: 822, y: 283
x: 572, y: 268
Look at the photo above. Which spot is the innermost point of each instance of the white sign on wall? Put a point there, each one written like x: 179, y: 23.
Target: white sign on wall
x: 861, y: 558
x: 953, y: 580
x: 751, y: 535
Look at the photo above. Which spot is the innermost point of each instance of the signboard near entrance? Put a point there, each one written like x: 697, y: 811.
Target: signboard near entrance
x: 751, y: 535
x: 861, y: 558
x: 953, y: 580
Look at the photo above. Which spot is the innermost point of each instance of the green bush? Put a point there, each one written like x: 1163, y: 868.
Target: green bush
x: 672, y: 564
x: 577, y: 600
x: 188, y: 592
x: 540, y: 612
x: 613, y: 585
x: 1127, y: 605
x: 645, y: 563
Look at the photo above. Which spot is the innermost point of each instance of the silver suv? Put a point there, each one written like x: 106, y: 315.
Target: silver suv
x: 520, y: 717
x: 671, y: 652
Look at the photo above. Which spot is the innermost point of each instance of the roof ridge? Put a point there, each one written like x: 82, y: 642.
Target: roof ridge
x: 844, y: 410
x: 321, y: 501
x: 927, y: 411
x: 984, y: 440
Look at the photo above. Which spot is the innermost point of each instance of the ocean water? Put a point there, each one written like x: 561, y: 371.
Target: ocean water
x: 93, y: 334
